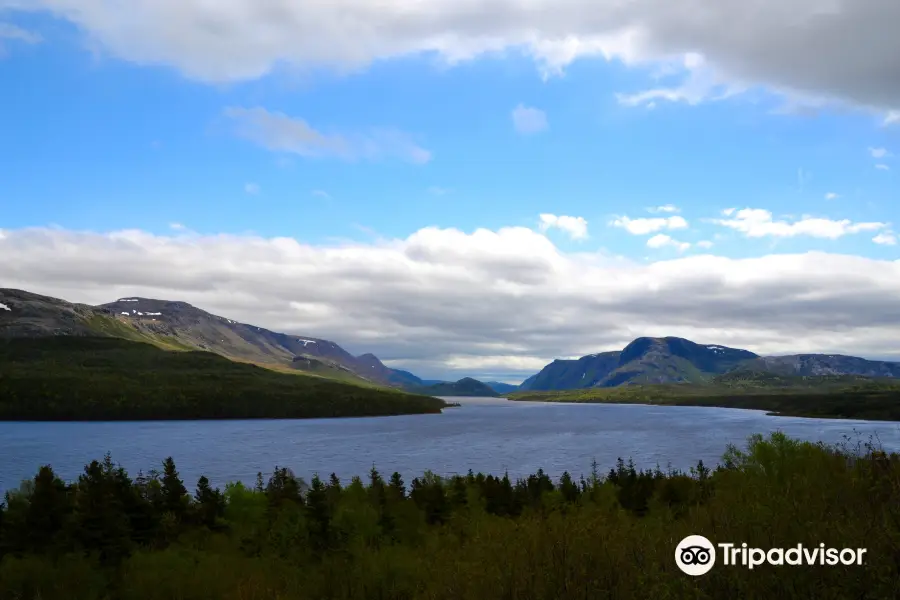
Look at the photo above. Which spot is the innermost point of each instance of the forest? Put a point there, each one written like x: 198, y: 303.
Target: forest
x: 83, y: 378
x: 834, y: 396
x: 605, y: 534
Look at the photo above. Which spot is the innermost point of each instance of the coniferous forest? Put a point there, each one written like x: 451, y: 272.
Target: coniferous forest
x: 82, y: 379
x: 115, y: 535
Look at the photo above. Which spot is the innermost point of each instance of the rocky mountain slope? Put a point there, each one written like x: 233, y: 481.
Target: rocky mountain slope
x: 677, y: 360
x: 179, y: 325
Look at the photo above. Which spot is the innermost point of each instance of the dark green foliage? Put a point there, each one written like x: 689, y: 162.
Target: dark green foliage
x: 82, y: 378
x: 834, y: 396
x: 470, y: 537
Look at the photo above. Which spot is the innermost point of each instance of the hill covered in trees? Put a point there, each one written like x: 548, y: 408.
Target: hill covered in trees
x: 110, y: 535
x: 823, y: 396
x: 174, y: 325
x: 464, y: 387
x: 89, y: 378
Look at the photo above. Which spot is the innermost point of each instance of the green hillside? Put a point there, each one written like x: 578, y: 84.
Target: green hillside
x: 87, y: 378
x: 834, y: 396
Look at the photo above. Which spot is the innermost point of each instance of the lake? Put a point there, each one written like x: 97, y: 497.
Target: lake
x: 484, y: 434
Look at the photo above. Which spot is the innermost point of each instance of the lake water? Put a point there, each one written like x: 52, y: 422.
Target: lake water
x: 484, y: 434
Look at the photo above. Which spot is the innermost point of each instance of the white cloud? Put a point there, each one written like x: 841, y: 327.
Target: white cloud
x: 176, y: 226
x: 831, y: 196
x: 645, y: 226
x: 891, y: 118
x: 757, y: 222
x: 665, y: 208
x: 882, y: 167
x: 279, y: 132
x: 11, y: 32
x: 720, y: 48
x: 321, y: 194
x: 704, y: 244
x: 576, y: 227
x: 509, y: 299
x: 662, y: 240
x: 886, y: 238
x: 252, y: 188
x: 879, y: 152
x: 527, y: 120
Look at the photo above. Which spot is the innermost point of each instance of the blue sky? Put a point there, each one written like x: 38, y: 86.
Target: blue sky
x: 98, y: 137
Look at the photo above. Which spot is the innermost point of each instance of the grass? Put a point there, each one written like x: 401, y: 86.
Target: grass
x: 846, y: 396
x: 82, y: 378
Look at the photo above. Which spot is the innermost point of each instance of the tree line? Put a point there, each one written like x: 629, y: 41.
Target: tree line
x: 604, y: 535
x: 81, y: 378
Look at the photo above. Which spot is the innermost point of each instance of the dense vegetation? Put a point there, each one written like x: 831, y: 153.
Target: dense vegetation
x: 839, y: 396
x: 467, y: 537
x: 84, y: 378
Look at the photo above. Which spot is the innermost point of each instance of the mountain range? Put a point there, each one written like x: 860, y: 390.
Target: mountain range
x: 174, y: 325
x: 181, y: 326
x: 677, y: 360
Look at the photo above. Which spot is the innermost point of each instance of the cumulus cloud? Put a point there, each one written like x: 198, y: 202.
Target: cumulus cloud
x: 886, y: 238
x: 879, y: 152
x: 449, y: 303
x: 645, y: 226
x: 662, y: 240
x: 705, y: 244
x: 278, y: 132
x: 665, y: 208
x: 806, y: 49
x: 527, y: 120
x: 757, y: 222
x: 576, y: 227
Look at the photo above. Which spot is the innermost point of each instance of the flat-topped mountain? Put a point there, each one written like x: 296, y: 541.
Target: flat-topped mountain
x: 179, y: 325
x: 677, y: 360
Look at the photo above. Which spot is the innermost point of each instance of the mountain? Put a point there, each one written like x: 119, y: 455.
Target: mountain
x: 643, y: 361
x: 814, y: 365
x: 677, y: 360
x: 464, y: 387
x: 500, y: 387
x: 181, y: 326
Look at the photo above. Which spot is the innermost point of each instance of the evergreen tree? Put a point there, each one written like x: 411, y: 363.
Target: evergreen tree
x: 210, y: 503
x: 102, y: 525
x: 318, y: 516
x: 49, y: 509
x: 174, y: 494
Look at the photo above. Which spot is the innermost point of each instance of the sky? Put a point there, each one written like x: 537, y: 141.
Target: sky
x: 464, y: 188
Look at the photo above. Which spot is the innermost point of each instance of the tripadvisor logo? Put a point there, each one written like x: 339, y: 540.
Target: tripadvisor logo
x: 696, y: 555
